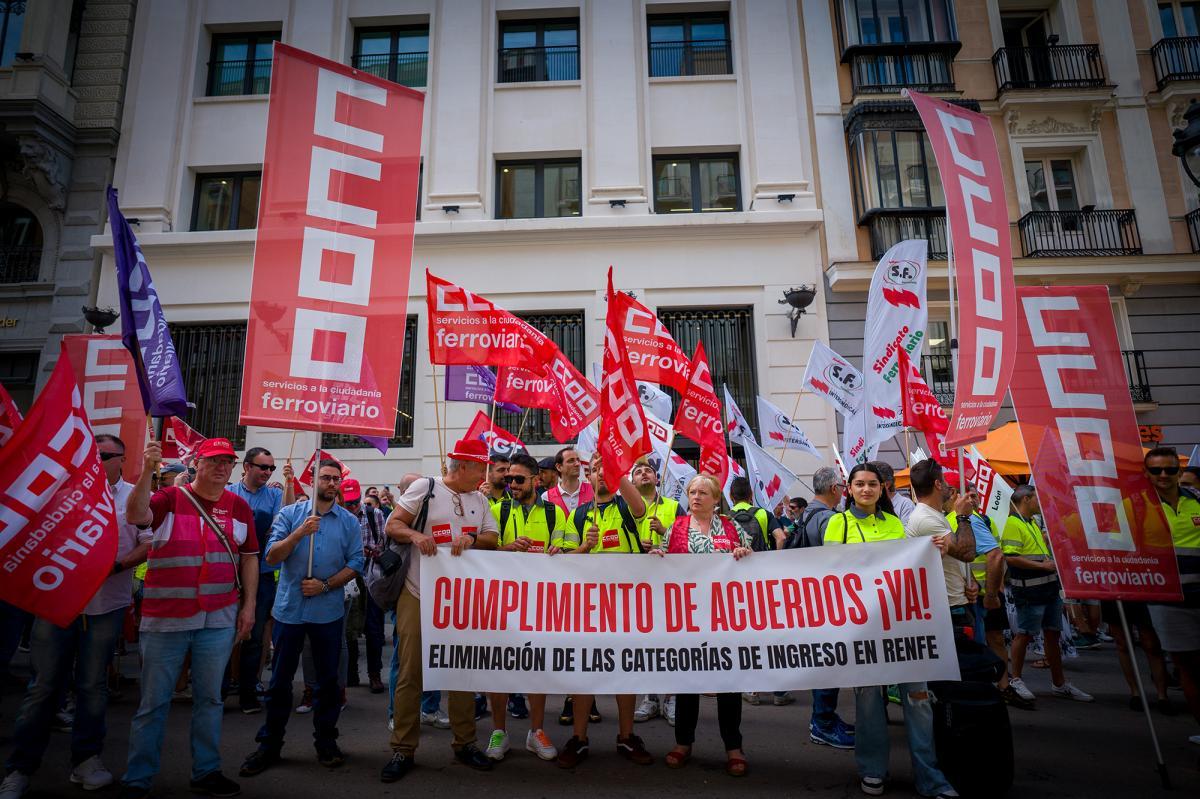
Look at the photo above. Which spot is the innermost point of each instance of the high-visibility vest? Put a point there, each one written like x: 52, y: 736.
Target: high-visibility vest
x: 618, y: 527
x: 846, y: 528
x: 666, y: 510
x: 542, y: 522
x: 1025, y: 538
x: 190, y: 571
x: 1184, y: 521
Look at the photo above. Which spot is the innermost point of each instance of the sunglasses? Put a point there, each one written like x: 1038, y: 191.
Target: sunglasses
x: 515, y: 479
x: 108, y: 456
x: 1157, y: 470
x: 267, y: 469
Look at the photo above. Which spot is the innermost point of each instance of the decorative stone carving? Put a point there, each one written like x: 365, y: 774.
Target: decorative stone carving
x: 47, y: 169
x: 1012, y: 116
x: 1094, y: 117
x: 1051, y: 125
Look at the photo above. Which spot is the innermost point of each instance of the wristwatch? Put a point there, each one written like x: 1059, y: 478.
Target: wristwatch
x: 325, y: 583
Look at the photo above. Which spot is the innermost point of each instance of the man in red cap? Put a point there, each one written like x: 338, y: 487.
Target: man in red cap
x: 204, y: 554
x: 458, y: 518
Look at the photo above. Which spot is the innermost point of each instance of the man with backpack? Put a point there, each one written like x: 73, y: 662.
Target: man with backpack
x: 759, y: 525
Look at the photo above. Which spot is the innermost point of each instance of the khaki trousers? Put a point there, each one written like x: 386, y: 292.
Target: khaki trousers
x: 406, y: 713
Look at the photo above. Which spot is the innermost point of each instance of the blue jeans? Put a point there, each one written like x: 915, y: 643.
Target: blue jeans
x: 824, y: 708
x: 325, y: 642
x: 252, y: 649
x: 12, y: 624
x: 87, y: 645
x: 162, y: 662
x: 871, y: 735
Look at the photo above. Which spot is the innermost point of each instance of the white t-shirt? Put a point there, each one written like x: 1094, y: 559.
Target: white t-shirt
x: 116, y: 592
x: 925, y: 521
x: 443, y: 521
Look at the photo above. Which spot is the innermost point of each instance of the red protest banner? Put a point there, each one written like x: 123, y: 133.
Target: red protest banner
x: 965, y: 147
x: 180, y: 440
x: 699, y: 416
x: 572, y: 400
x: 464, y: 328
x: 107, y: 379
x: 653, y: 353
x: 334, y: 245
x: 496, y: 437
x: 923, y: 412
x: 1110, y: 537
x: 305, y: 478
x: 623, y: 434
x: 58, y: 521
x: 10, y: 416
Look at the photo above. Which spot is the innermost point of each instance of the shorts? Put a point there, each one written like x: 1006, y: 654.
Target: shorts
x: 1033, y: 618
x: 1136, y: 613
x: 1178, y: 627
x: 995, y: 620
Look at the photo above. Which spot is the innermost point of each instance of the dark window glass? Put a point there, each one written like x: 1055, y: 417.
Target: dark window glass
x: 534, y: 189
x: 689, y: 45
x: 210, y: 357
x: 564, y: 328
x: 400, y: 55
x: 696, y: 184
x: 896, y: 21
x: 403, y: 434
x: 18, y: 375
x: 20, y: 244
x: 895, y: 169
x: 240, y: 64
x: 226, y: 202
x: 12, y: 21
x: 537, y: 50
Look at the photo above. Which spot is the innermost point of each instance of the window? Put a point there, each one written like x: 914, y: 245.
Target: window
x: 537, y: 189
x: 899, y: 21
x: 894, y: 169
x: 226, y: 202
x: 240, y: 64
x: 18, y: 374
x: 403, y: 434
x: 20, y: 244
x: 538, y: 50
x: 564, y: 328
x: 1051, y: 184
x: 1179, y: 19
x: 210, y: 357
x: 728, y: 336
x: 696, y: 184
x: 690, y: 45
x: 12, y: 21
x: 400, y: 55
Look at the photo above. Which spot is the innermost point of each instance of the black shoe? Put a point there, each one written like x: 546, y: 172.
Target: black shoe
x: 470, y: 755
x: 567, y: 717
x: 594, y: 714
x: 397, y: 767
x: 573, y: 753
x: 481, y: 708
x: 251, y: 706
x: 1136, y: 704
x: 1014, y: 699
x: 517, y: 708
x: 331, y: 757
x: 133, y: 792
x: 214, y: 783
x: 258, y: 761
x: 352, y: 680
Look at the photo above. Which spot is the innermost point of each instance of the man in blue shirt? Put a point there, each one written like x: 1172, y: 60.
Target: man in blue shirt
x: 265, y: 501
x: 319, y: 547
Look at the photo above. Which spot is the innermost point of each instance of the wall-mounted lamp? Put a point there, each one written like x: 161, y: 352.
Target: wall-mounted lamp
x: 99, y: 318
x: 799, y: 299
x: 450, y: 209
x: 616, y: 203
x: 133, y: 220
x: 785, y: 198
x: 1052, y: 39
x: 23, y: 56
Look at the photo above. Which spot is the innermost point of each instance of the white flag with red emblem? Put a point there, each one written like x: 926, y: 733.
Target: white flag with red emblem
x: 769, y: 478
x: 735, y: 421
x: 778, y: 430
x: 733, y: 469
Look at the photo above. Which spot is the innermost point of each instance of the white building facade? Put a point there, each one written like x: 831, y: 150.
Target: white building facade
x: 670, y: 140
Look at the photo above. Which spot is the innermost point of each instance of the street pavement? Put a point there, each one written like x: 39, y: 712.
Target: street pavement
x: 1063, y: 749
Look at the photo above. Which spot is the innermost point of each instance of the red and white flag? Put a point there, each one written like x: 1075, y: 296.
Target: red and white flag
x: 897, y: 315
x: 58, y: 519
x: 735, y: 421
x: 653, y: 354
x: 1111, y: 539
x: 10, y: 416
x: 107, y: 380
x: 833, y: 378
x: 180, y: 441
x: 778, y: 430
x: 769, y: 478
x: 498, y: 440
x: 679, y: 474
x: 331, y: 259
x: 732, y: 469
x: 699, y: 417
x: 923, y: 412
x: 305, y: 478
x: 557, y: 386
x: 968, y: 159
x: 995, y: 494
x: 465, y: 328
x: 624, y: 436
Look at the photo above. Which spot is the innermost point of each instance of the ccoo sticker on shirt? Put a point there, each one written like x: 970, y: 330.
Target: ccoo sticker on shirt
x: 441, y: 534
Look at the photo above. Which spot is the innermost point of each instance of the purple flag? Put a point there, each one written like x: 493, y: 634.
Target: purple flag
x: 474, y: 383
x: 378, y: 442
x: 143, y: 326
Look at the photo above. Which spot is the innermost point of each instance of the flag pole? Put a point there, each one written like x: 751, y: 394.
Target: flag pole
x: 521, y: 427
x: 437, y: 418
x: 312, y: 539
x: 662, y: 477
x: 291, y: 448
x: 1161, y: 767
x: 953, y: 331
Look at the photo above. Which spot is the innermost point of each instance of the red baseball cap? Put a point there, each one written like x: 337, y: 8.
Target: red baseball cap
x: 470, y: 449
x: 351, y: 490
x: 215, y: 448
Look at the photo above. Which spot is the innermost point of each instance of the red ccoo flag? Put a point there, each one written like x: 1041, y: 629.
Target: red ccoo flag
x: 699, y: 416
x: 624, y: 436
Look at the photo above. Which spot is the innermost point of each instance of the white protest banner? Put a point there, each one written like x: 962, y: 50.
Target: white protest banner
x: 867, y: 614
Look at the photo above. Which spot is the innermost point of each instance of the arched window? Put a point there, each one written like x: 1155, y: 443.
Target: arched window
x: 20, y: 244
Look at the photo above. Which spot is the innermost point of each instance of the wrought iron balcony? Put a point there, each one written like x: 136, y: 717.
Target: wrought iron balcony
x: 887, y: 70
x: 523, y: 64
x: 1176, y: 58
x: 1060, y: 233
x: 243, y: 76
x: 938, y: 373
x: 701, y: 57
x: 1193, y: 224
x: 1061, y: 66
x: 407, y: 69
x: 20, y: 264
x: 890, y: 226
x: 1139, y: 380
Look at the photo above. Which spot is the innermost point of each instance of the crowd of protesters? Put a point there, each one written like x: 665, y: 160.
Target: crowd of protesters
x: 226, y: 576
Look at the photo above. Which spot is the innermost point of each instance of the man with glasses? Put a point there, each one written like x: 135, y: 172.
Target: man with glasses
x: 318, y: 546
x: 87, y: 643
x: 265, y: 501
x: 1178, y: 623
x: 203, y: 552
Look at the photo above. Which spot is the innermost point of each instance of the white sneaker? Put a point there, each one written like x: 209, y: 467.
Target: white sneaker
x: 539, y: 743
x: 1069, y: 691
x: 669, y: 710
x: 436, y: 719
x: 497, y: 746
x: 391, y: 724
x: 14, y: 785
x: 647, y: 710
x: 91, y: 774
x: 1018, y: 685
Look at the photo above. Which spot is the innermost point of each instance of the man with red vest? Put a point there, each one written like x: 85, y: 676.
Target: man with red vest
x: 571, y: 491
x: 203, y: 552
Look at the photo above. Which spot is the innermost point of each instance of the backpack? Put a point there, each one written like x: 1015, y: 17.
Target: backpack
x: 386, y: 574
x: 799, y: 538
x: 506, y: 511
x: 579, y: 519
x: 747, y: 520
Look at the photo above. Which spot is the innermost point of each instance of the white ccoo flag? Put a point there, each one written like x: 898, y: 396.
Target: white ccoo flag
x: 780, y: 431
x: 995, y: 495
x: 769, y: 478
x: 735, y: 423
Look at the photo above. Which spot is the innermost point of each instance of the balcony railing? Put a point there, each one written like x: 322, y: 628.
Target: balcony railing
x: 245, y: 76
x: 1176, y: 58
x: 1193, y: 224
x: 938, y: 373
x: 407, y: 69
x: 889, y: 227
x: 1054, y: 233
x: 525, y: 64
x: 711, y: 57
x: 888, y: 72
x: 20, y: 264
x: 1061, y: 66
